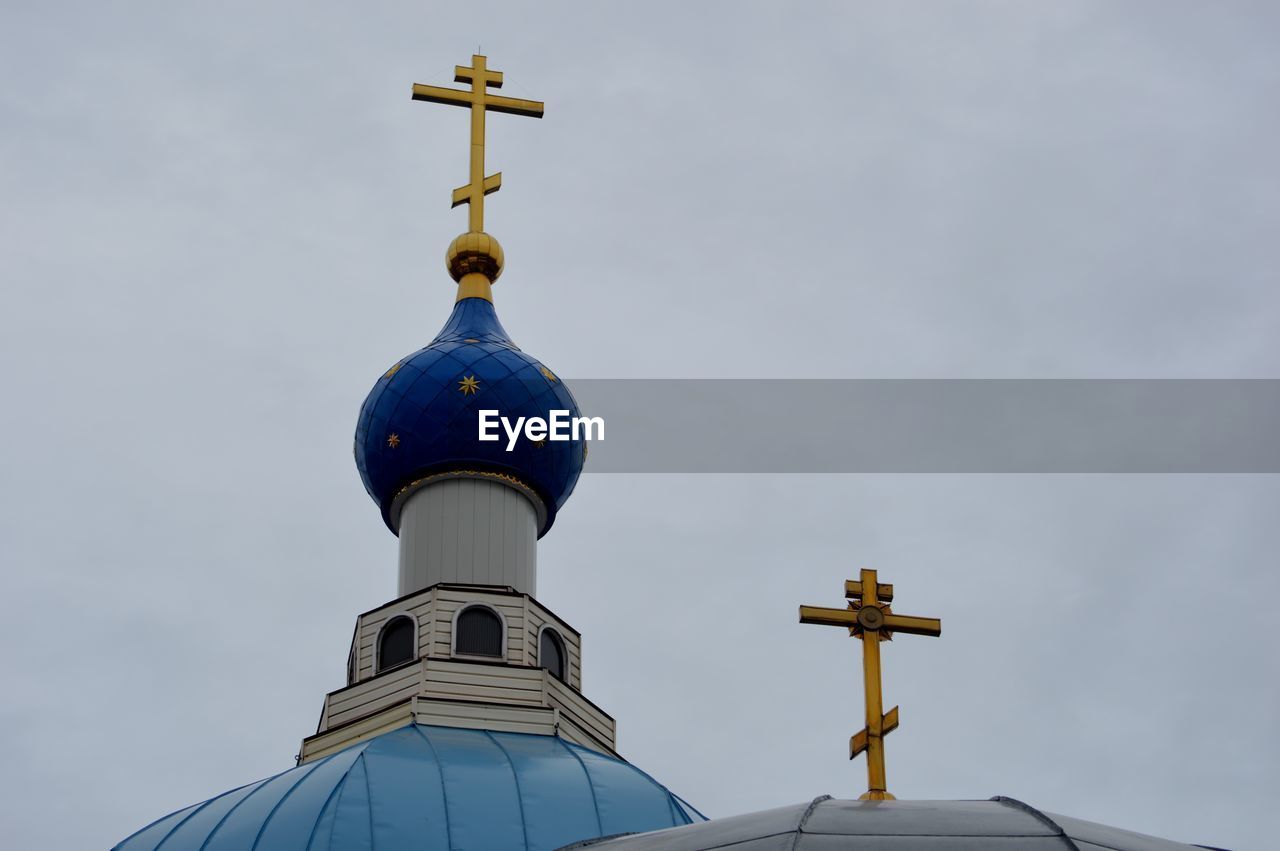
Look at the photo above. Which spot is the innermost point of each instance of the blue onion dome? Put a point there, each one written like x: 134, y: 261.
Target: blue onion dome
x: 429, y: 787
x: 420, y: 421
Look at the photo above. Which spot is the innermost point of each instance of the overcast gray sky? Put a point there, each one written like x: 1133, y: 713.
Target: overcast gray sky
x: 222, y: 222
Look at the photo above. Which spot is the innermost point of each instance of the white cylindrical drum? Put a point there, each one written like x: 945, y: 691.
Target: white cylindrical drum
x: 469, y: 531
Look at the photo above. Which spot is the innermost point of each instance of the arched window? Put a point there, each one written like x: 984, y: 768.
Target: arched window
x: 395, y: 642
x: 551, y: 653
x: 478, y: 632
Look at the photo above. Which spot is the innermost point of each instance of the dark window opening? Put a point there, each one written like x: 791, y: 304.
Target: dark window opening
x: 395, y: 643
x: 551, y: 653
x: 479, y: 633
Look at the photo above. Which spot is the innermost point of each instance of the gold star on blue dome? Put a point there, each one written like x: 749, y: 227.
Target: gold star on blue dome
x: 469, y: 385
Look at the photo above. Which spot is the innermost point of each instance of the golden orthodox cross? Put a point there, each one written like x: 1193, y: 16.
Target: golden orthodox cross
x: 869, y: 618
x: 479, y: 101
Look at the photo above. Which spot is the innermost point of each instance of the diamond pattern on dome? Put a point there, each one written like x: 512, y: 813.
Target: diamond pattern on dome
x: 431, y: 400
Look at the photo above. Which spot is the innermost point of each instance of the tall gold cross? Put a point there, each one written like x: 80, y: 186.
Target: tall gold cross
x: 869, y: 618
x: 479, y: 101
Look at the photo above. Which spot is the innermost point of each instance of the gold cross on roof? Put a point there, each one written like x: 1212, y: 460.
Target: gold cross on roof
x: 479, y: 101
x: 869, y: 618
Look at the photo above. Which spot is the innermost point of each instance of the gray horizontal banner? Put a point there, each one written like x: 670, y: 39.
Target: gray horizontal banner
x: 932, y: 426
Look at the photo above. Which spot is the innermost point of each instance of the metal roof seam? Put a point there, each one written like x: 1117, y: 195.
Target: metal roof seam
x: 195, y: 809
x: 595, y: 802
x: 647, y: 776
x: 368, y: 796
x: 688, y: 806
x: 234, y: 807
x: 515, y: 778
x: 1039, y: 816
x: 341, y: 787
x: 266, y: 821
x: 311, y: 837
x: 673, y: 809
x: 804, y: 817
x: 444, y: 792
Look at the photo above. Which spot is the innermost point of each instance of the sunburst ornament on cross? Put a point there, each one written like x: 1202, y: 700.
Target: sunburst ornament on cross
x: 869, y: 618
x: 475, y: 258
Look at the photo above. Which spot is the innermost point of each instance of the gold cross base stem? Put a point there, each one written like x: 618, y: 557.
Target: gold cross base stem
x: 475, y: 285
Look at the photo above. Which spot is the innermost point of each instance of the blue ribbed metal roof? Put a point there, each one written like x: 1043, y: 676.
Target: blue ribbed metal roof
x: 427, y: 787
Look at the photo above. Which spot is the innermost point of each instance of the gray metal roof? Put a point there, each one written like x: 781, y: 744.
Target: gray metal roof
x: 825, y: 824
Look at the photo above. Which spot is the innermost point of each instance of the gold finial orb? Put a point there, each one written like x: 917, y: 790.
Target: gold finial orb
x: 474, y: 253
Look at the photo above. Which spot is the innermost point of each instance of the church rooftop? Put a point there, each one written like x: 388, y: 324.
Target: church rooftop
x: 424, y: 786
x: 825, y: 823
